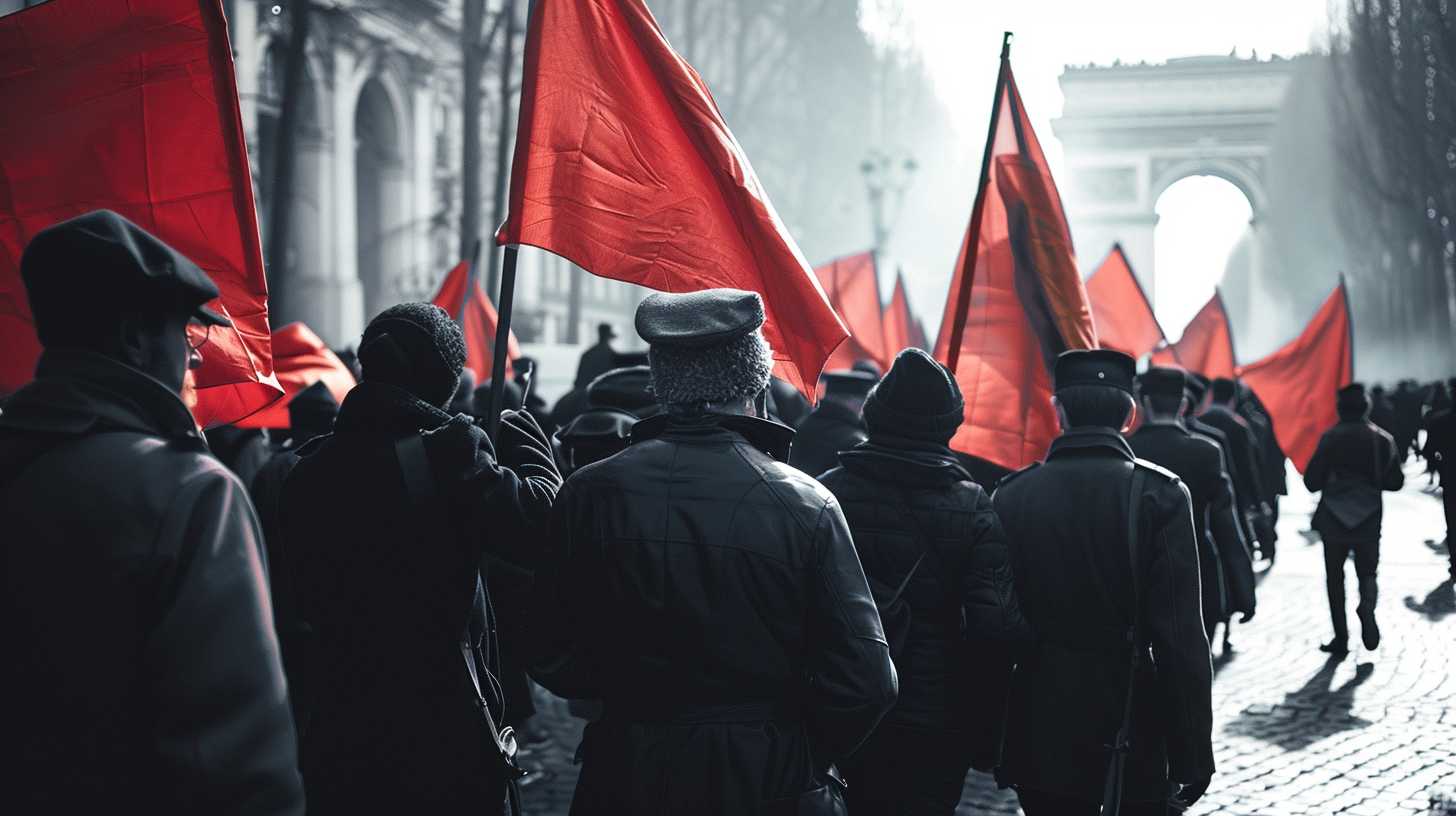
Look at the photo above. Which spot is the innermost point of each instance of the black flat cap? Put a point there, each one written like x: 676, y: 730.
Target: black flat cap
x: 852, y: 382
x: 1103, y: 367
x: 94, y: 263
x: 1352, y: 395
x: 1197, y: 386
x: 698, y: 319
x: 626, y: 389
x: 1163, y: 381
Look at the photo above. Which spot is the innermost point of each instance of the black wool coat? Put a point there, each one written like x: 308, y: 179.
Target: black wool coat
x: 1355, y: 454
x: 828, y: 429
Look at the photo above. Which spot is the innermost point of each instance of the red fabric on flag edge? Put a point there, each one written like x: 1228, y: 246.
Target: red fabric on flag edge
x: 313, y: 361
x: 1119, y: 252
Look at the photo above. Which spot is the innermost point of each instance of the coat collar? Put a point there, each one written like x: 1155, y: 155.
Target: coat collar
x: 912, y: 463
x: 766, y: 435
x: 1105, y: 440
x: 380, y: 408
x: 77, y: 392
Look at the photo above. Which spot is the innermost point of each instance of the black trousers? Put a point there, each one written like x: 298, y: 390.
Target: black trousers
x: 1045, y: 804
x: 1448, y: 500
x: 1367, y: 560
x: 902, y: 771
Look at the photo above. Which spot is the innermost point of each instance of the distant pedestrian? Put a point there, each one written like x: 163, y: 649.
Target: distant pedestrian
x: 709, y: 594
x: 835, y: 423
x: 142, y: 672
x: 1354, y: 462
x: 1440, y: 450
x: 1105, y: 560
x: 919, y: 521
x: 1247, y: 460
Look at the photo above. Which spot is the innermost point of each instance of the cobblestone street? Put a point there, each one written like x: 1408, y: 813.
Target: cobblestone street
x: 1371, y: 735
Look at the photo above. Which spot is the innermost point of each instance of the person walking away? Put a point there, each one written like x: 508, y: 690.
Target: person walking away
x: 1244, y: 445
x: 142, y: 672
x: 919, y: 520
x: 835, y: 423
x: 1440, y: 450
x: 1105, y: 562
x: 1354, y: 462
x: 709, y: 594
x: 385, y: 522
x: 1226, y: 572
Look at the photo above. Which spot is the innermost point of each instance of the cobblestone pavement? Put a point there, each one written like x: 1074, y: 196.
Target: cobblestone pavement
x: 1371, y: 735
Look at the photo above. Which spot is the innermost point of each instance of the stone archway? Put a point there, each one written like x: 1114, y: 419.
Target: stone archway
x: 1131, y: 131
x: 381, y: 188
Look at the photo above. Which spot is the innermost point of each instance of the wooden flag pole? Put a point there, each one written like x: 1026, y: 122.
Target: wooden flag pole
x: 504, y: 302
x: 973, y: 235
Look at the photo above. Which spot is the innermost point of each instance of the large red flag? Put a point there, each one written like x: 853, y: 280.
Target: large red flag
x: 1297, y: 383
x: 1016, y: 300
x: 902, y: 330
x: 1120, y: 308
x: 852, y: 285
x: 300, y: 359
x: 464, y: 298
x: 133, y: 107
x: 1207, y: 345
x: 624, y: 165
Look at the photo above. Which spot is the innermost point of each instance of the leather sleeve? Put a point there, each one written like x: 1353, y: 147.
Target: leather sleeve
x: 223, y: 731
x: 554, y: 658
x: 987, y: 590
x: 852, y: 681
x: 1174, y: 619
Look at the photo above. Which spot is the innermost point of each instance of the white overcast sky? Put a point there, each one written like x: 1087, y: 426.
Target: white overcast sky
x: 959, y: 42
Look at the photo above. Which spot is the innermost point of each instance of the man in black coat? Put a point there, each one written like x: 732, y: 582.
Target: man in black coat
x: 1088, y: 592
x: 1440, y: 450
x: 1197, y: 393
x: 1225, y: 569
x: 1247, y: 462
x: 385, y: 523
x: 919, y: 519
x: 835, y: 423
x: 1354, y: 462
x: 141, y: 668
x: 708, y: 593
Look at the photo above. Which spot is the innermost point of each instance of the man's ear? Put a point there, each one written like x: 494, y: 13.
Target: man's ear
x: 1132, y: 412
x: 1061, y: 414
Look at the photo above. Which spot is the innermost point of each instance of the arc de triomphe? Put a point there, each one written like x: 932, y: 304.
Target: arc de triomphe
x: 1131, y: 131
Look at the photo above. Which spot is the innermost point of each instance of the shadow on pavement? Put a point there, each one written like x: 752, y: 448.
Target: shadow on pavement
x: 1437, y: 604
x: 1308, y: 714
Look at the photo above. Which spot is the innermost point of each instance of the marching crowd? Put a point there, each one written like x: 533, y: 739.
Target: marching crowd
x: 846, y: 620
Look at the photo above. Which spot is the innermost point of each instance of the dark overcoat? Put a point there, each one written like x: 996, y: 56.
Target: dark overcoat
x: 828, y: 429
x: 1352, y: 457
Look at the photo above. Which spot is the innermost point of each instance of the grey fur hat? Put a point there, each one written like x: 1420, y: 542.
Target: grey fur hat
x: 736, y: 369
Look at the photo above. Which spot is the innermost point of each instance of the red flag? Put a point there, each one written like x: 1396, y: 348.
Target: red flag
x: 1207, y: 345
x: 133, y: 106
x: 464, y: 298
x: 624, y: 165
x: 902, y: 330
x: 1120, y: 308
x: 1297, y: 383
x: 1017, y: 300
x: 300, y: 359
x: 852, y: 285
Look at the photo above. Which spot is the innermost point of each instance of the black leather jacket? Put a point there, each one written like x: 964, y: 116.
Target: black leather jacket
x: 1352, y: 456
x: 963, y: 604
x: 696, y: 580
x: 1066, y: 523
x: 141, y: 670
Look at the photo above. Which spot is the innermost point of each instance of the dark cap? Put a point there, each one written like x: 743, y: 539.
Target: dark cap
x: 698, y: 319
x: 1160, y: 381
x: 1352, y: 394
x: 91, y: 264
x: 851, y: 382
x: 625, y: 389
x: 1196, y: 386
x: 1101, y: 367
x: 869, y: 367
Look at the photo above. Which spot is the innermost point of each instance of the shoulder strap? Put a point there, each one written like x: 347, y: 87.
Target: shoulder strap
x: 926, y: 542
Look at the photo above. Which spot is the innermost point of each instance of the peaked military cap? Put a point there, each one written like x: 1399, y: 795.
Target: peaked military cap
x: 1163, y: 381
x: 698, y: 319
x: 856, y: 383
x: 1103, y: 367
x: 95, y: 262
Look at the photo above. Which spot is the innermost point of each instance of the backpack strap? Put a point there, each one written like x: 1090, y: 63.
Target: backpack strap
x: 926, y: 541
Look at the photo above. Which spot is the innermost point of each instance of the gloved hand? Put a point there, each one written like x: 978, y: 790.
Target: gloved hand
x: 523, y: 448
x: 1189, y: 793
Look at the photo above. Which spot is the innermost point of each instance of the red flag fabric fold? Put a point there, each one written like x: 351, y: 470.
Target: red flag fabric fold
x: 852, y: 285
x: 1207, y: 345
x: 1120, y: 309
x: 902, y: 330
x: 464, y: 298
x: 624, y: 166
x: 300, y: 359
x: 133, y: 107
x: 1297, y: 383
x: 1016, y: 298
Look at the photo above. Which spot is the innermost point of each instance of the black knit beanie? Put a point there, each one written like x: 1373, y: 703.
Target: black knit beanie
x: 917, y: 399
x: 417, y: 347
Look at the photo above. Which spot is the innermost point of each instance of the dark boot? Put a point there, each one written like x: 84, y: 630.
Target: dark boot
x: 1335, y: 586
x: 1365, y: 611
